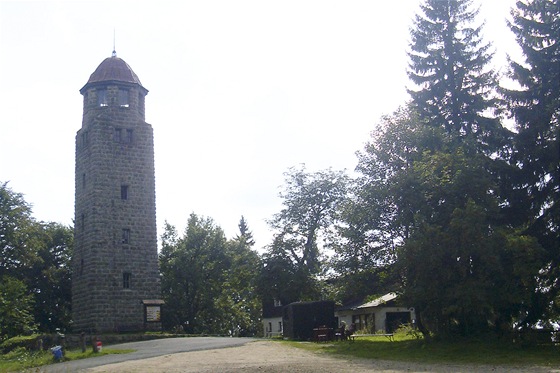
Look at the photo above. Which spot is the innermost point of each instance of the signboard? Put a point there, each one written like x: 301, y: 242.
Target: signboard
x: 153, y: 313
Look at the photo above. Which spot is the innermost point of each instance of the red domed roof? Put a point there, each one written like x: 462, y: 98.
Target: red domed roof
x: 113, y: 69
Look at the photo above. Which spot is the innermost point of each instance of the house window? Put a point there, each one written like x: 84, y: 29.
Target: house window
x: 279, y: 326
x: 102, y: 98
x: 277, y: 303
x: 269, y: 326
x: 126, y: 236
x: 126, y: 280
x: 123, y: 98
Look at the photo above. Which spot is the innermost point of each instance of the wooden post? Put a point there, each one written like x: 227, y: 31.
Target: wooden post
x: 94, y: 343
x: 83, y: 341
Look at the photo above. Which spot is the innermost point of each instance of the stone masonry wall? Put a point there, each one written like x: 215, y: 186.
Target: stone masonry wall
x: 115, y: 264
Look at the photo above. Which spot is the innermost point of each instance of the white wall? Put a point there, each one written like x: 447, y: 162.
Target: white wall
x: 272, y: 326
x: 380, y: 315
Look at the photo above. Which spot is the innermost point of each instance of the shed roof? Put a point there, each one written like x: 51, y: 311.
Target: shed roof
x: 379, y: 301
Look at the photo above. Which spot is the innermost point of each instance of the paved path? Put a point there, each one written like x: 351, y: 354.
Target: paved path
x: 147, y: 349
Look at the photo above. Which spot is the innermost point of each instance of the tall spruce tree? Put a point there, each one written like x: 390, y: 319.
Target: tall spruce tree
x: 245, y: 233
x: 449, y: 64
x: 536, y: 148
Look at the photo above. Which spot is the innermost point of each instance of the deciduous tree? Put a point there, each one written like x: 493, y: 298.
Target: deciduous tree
x: 193, y: 269
x: 50, y: 277
x: 35, y: 256
x: 430, y: 211
x: 18, y: 233
x: 303, y: 227
x: 16, y: 306
x: 208, y: 282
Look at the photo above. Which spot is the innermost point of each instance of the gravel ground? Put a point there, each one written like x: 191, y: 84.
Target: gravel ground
x: 266, y: 356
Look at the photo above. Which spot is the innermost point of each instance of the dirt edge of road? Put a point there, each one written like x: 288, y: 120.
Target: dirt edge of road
x: 267, y: 356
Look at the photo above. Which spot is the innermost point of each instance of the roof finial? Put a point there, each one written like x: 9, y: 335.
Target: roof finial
x: 114, y: 54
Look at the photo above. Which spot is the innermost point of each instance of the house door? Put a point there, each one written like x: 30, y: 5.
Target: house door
x: 395, y: 319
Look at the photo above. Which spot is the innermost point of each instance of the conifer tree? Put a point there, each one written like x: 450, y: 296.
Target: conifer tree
x: 536, y: 147
x: 245, y: 233
x: 449, y: 66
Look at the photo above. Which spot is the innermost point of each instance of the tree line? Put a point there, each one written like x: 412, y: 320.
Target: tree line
x: 450, y: 207
x: 35, y: 276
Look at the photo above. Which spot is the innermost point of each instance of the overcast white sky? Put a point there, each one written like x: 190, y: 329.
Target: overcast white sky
x: 239, y: 92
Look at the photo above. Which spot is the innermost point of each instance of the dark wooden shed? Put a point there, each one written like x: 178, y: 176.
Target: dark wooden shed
x: 300, y: 318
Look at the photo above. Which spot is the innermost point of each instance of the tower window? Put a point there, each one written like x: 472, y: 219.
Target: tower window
x: 123, y: 98
x: 126, y: 236
x: 85, y: 139
x: 124, y: 191
x: 118, y: 135
x: 123, y: 136
x: 102, y: 98
x: 126, y: 280
x: 128, y: 137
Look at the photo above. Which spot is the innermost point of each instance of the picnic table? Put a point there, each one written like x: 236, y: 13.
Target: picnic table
x: 323, y: 334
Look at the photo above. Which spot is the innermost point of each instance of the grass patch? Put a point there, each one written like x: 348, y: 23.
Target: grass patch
x: 21, y: 358
x: 406, y: 348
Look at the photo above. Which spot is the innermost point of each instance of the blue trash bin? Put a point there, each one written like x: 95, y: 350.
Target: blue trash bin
x: 57, y: 352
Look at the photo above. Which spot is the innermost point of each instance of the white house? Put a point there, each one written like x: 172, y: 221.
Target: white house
x: 272, y: 319
x: 382, y: 314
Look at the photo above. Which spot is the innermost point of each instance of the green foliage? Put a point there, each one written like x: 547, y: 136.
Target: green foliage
x: 428, y: 213
x: 50, y: 278
x: 244, y: 233
x: 380, y: 213
x: 310, y: 204
x: 28, y: 342
x: 449, y: 66
x: 208, y: 282
x: 428, y: 206
x: 406, y: 331
x: 15, y: 308
x: 278, y: 279
x: 535, y: 106
x: 21, y: 358
x: 484, y: 277
x: 303, y: 228
x: 18, y: 234
x: 37, y: 255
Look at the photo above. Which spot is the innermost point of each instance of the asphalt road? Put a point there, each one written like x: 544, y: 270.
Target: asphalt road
x: 147, y: 349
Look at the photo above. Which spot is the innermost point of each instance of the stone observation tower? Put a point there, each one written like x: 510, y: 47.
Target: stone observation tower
x: 115, y: 280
